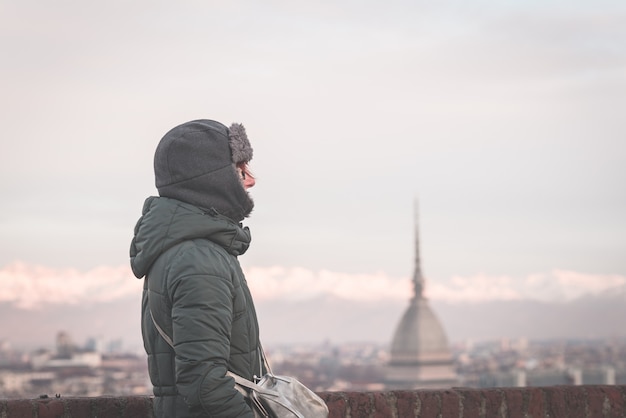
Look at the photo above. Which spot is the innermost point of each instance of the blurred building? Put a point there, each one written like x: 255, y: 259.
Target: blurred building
x: 420, y: 353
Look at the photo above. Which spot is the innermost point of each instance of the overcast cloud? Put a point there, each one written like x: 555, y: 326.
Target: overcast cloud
x: 37, y: 287
x: 505, y: 120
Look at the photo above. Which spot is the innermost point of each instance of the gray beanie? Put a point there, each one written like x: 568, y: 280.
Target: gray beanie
x: 195, y: 163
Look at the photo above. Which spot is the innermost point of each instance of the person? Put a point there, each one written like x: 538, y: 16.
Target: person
x: 186, y: 245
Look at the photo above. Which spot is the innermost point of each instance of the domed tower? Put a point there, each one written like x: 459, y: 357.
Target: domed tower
x: 420, y: 354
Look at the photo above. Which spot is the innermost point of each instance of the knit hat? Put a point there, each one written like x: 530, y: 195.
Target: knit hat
x: 195, y: 163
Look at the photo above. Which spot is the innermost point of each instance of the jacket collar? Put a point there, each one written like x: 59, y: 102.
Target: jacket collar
x: 166, y: 222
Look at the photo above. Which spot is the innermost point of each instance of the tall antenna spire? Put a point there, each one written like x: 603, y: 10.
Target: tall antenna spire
x: 418, y: 278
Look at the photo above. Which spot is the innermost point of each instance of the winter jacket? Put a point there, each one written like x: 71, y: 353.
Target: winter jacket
x: 196, y: 291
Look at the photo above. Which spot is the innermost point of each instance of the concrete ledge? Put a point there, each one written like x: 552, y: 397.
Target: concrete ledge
x: 554, y: 401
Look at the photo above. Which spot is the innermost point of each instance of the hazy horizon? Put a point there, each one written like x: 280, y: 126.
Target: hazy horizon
x: 322, y: 307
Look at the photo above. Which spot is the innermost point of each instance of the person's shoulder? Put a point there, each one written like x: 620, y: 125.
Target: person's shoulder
x: 200, y: 256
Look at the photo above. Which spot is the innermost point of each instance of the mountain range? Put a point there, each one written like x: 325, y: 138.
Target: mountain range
x: 335, y: 320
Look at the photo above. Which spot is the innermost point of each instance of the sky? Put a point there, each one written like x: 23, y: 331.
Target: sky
x: 500, y: 123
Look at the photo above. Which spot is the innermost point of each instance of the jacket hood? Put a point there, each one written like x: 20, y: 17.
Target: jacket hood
x: 167, y: 222
x: 195, y: 163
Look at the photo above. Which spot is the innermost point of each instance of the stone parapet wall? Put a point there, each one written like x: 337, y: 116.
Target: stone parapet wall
x: 555, y: 401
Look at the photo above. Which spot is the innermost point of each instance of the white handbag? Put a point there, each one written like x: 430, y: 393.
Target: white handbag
x: 280, y: 396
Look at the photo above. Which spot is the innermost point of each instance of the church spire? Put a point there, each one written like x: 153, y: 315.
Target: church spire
x: 418, y: 278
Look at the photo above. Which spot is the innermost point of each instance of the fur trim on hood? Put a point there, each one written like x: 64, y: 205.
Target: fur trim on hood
x: 239, y: 144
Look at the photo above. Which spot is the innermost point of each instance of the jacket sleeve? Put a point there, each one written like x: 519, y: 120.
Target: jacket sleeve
x: 202, y: 313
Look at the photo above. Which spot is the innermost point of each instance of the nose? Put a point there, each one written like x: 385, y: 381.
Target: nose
x: 248, y: 182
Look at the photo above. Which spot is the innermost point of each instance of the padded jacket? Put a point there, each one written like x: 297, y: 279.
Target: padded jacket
x: 196, y: 291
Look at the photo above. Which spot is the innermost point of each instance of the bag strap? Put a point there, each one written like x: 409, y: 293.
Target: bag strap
x: 242, y: 381
x: 263, y: 360
x: 163, y: 334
